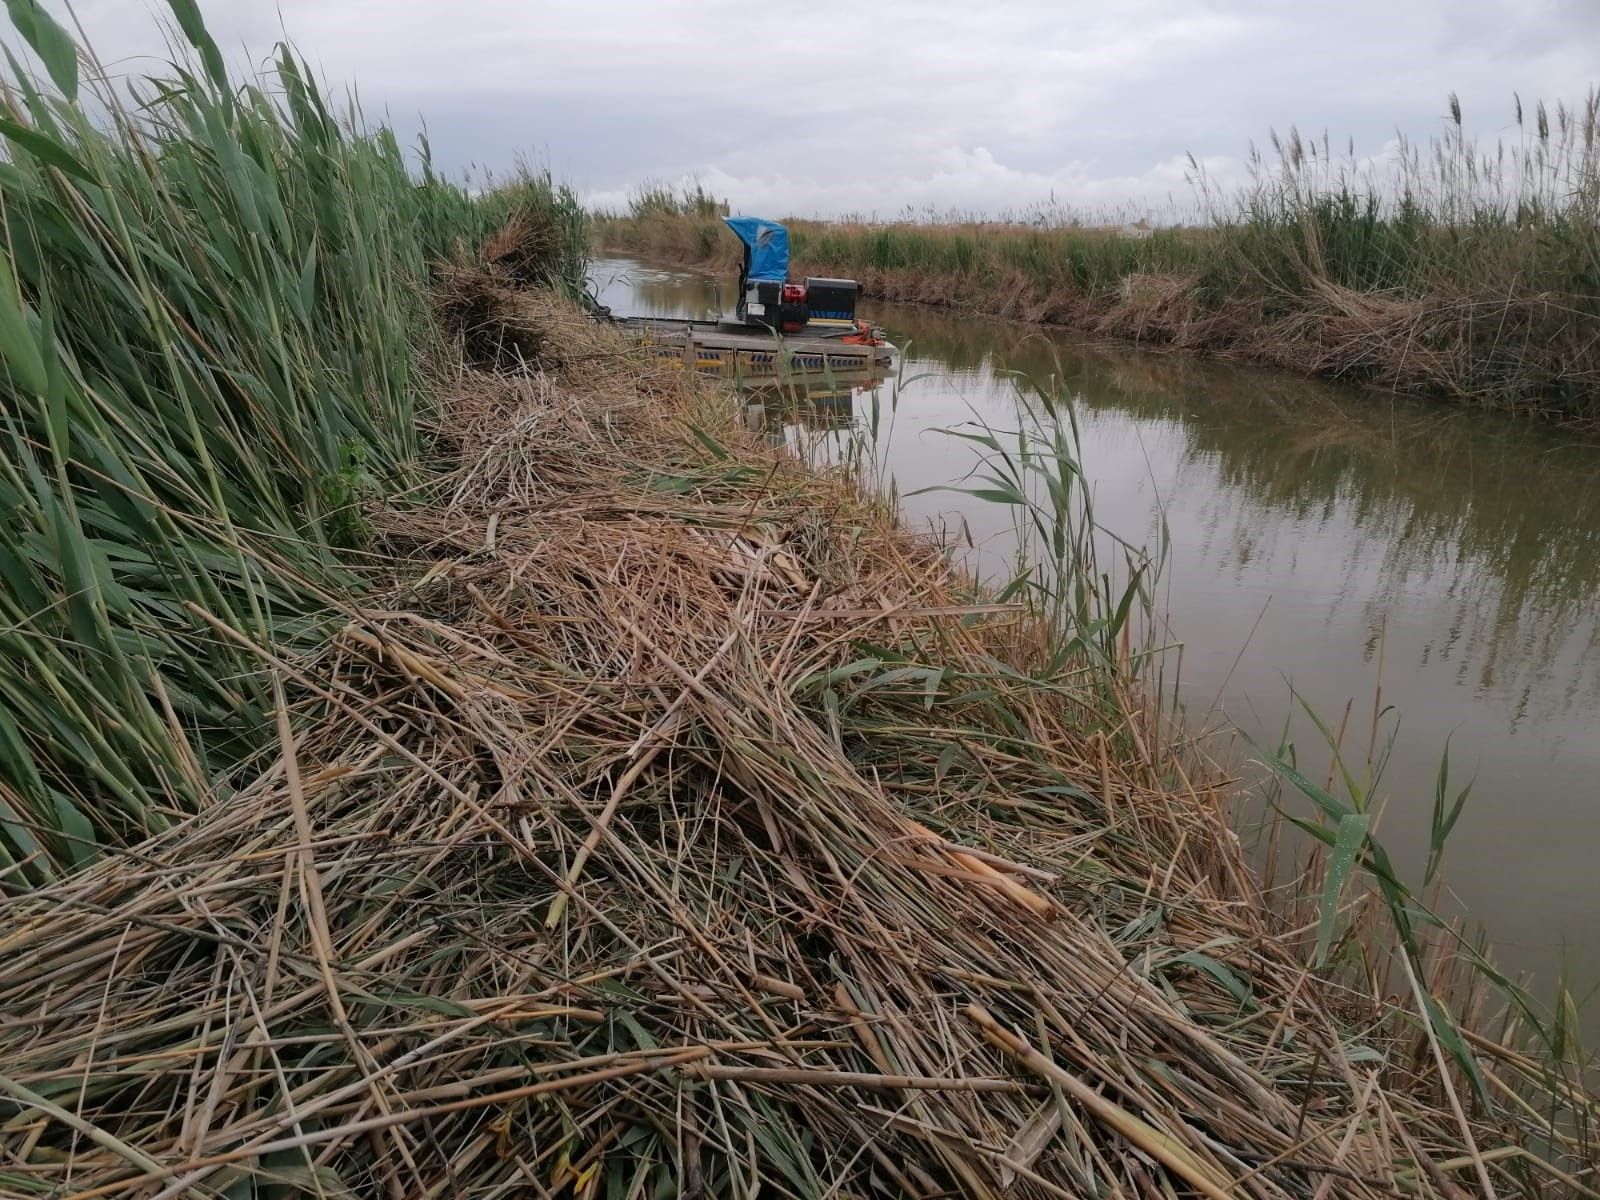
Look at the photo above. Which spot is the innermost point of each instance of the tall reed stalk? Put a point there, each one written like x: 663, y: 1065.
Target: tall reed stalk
x: 211, y: 320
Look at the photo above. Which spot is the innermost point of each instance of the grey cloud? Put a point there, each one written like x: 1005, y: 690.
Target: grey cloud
x: 859, y: 105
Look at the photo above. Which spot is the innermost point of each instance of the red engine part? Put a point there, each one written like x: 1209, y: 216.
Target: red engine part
x: 864, y: 335
x: 792, y: 314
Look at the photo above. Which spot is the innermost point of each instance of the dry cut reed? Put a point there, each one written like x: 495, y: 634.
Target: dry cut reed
x: 672, y: 823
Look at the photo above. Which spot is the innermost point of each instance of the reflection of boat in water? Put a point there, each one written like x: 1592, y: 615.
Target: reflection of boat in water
x: 816, y: 404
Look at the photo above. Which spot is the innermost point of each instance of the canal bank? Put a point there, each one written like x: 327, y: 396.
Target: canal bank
x: 1353, y: 546
x: 665, y: 810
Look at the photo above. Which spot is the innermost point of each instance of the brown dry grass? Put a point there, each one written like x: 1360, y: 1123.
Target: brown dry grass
x: 525, y: 247
x: 674, y: 823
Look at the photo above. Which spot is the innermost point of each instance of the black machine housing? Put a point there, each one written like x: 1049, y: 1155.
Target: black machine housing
x: 761, y: 303
x: 786, y: 307
x: 832, y: 299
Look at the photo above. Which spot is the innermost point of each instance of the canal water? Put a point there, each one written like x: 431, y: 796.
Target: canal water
x: 1327, y: 540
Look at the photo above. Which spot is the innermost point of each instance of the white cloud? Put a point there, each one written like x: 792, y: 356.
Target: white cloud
x: 962, y: 182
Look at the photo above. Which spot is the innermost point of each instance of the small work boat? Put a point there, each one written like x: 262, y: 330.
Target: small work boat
x: 779, y: 327
x: 730, y: 348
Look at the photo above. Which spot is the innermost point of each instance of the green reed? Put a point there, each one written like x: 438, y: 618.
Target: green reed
x: 212, y: 309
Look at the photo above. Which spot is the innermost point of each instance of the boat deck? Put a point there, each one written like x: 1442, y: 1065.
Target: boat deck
x: 728, y: 347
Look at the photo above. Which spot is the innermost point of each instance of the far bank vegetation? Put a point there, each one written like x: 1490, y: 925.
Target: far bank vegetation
x: 1450, y: 267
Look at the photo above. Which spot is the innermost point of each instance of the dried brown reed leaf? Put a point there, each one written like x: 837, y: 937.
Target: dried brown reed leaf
x: 772, y: 864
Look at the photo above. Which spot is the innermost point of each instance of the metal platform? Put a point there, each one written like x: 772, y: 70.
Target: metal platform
x: 728, y: 348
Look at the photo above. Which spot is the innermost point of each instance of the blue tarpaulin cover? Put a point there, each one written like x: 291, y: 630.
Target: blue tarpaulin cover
x: 768, y: 244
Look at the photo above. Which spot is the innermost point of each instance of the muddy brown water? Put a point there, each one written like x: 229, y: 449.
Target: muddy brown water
x: 1324, y: 539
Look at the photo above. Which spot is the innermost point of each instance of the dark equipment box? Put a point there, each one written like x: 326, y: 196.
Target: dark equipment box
x: 763, y: 304
x: 832, y: 299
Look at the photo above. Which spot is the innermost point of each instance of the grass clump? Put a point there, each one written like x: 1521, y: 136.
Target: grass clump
x: 663, y: 200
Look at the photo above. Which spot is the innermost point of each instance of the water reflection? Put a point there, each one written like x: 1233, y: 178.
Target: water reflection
x: 636, y: 290
x: 817, y: 406
x: 1329, y: 538
x: 1494, y: 524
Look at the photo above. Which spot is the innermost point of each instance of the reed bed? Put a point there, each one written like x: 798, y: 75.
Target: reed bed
x: 667, y: 821
x: 1448, y: 268
x: 213, y: 310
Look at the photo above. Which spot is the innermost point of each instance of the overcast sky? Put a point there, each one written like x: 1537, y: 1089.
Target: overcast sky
x: 874, y: 105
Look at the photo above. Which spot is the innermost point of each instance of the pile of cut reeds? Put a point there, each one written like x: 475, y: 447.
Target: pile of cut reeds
x: 673, y: 824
